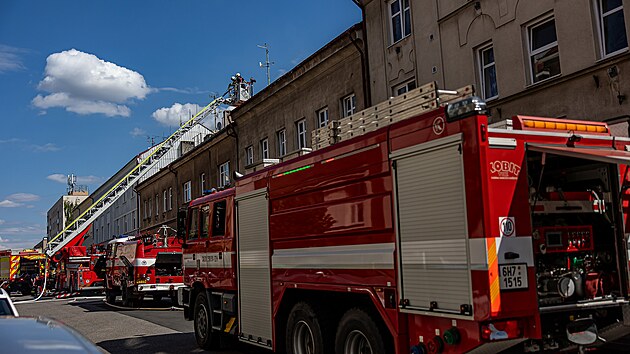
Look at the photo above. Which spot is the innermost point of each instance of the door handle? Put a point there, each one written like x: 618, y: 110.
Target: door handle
x: 511, y: 255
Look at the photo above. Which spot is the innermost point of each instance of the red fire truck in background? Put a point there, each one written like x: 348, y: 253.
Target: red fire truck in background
x: 437, y: 233
x: 80, y: 270
x: 143, y: 265
x: 22, y: 269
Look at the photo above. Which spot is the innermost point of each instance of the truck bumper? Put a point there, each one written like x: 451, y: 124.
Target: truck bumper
x: 165, y: 288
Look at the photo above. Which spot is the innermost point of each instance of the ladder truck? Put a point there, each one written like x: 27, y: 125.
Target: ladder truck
x: 75, y: 230
x: 418, y: 227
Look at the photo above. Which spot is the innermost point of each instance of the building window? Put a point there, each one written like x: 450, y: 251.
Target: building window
x: 249, y: 155
x: 170, y: 198
x: 187, y: 195
x: 146, y: 208
x: 282, y: 142
x: 224, y: 174
x: 349, y: 105
x: 164, y: 201
x: 150, y: 208
x: 264, y: 148
x: 300, y: 127
x: 157, y: 205
x: 488, y: 72
x: 202, y: 179
x: 404, y: 87
x: 612, y: 26
x: 322, y: 117
x: 543, y: 50
x: 400, y: 14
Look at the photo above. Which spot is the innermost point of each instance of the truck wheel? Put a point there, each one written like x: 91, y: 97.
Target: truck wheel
x: 205, y: 336
x: 126, y: 299
x: 358, y: 334
x: 304, y: 333
x: 110, y: 296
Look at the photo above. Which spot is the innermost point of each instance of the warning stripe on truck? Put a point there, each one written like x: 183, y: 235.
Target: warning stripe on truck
x: 493, y: 275
x: 15, y: 264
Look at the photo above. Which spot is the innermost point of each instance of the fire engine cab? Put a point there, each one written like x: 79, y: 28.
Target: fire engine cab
x: 432, y: 233
x: 143, y: 265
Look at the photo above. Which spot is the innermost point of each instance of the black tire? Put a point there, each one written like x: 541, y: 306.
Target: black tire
x: 358, y: 333
x: 304, y: 332
x: 206, y: 337
x: 110, y: 296
x: 126, y: 299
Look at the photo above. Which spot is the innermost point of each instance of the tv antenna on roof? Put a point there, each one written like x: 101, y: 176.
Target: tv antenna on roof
x: 267, y: 63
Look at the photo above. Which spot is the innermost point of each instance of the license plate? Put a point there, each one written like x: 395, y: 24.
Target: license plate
x: 513, y: 276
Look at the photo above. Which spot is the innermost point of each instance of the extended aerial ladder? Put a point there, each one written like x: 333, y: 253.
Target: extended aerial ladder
x: 77, y: 226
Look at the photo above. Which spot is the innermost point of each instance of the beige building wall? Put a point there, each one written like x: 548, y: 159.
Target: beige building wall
x: 56, y: 216
x: 322, y: 81
x: 447, y: 34
x: 204, y: 160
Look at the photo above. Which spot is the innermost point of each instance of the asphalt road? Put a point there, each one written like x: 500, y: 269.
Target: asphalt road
x: 155, y: 330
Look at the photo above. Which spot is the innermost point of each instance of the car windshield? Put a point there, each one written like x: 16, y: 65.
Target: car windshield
x: 5, y: 309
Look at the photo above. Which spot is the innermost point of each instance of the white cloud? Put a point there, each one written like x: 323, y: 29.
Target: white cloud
x: 10, y: 59
x: 1, y: 221
x: 84, y: 84
x: 80, y: 106
x: 23, y: 197
x: 137, y: 132
x: 176, y: 114
x: 11, y: 140
x: 9, y: 204
x: 49, y: 147
x: 58, y: 177
x: 61, y: 178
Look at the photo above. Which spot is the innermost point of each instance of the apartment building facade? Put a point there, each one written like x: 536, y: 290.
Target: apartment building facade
x: 562, y: 58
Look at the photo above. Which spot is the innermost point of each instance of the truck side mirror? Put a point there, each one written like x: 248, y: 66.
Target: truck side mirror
x: 181, y: 224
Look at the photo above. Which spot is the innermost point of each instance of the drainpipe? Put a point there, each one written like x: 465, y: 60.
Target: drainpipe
x: 365, y: 62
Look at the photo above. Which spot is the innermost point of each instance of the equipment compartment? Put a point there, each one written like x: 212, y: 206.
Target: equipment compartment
x: 576, y: 230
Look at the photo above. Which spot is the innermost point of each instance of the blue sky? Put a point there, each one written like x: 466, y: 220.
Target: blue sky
x: 83, y: 84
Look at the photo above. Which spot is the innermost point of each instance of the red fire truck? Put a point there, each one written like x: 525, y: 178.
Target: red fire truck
x: 143, y: 265
x: 438, y: 233
x: 78, y: 270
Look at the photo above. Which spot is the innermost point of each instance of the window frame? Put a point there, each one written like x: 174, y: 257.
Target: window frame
x: 406, y: 86
x: 170, y: 198
x: 347, y: 109
x: 194, y: 216
x: 157, y: 204
x: 202, y: 182
x: 601, y: 31
x: 224, y: 174
x: 403, y: 19
x: 281, y: 136
x: 320, y: 113
x: 482, y: 66
x: 219, y: 231
x: 264, y: 148
x: 531, y: 53
x: 187, y: 193
x: 249, y: 155
x: 300, y: 128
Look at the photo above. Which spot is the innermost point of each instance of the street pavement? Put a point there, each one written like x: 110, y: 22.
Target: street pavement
x: 157, y: 329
